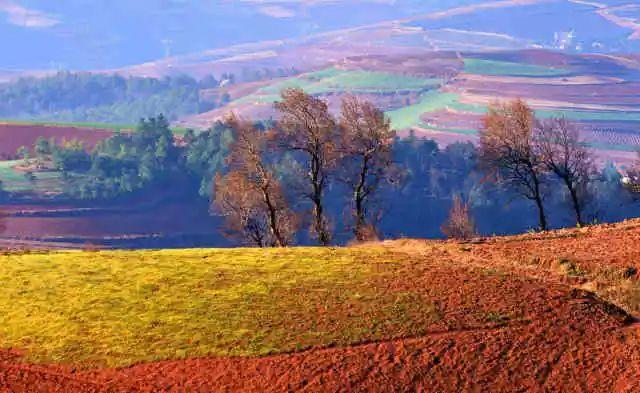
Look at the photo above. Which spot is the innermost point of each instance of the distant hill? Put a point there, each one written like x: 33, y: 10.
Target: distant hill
x: 571, y: 26
x: 433, y: 66
x: 49, y: 35
x: 443, y: 95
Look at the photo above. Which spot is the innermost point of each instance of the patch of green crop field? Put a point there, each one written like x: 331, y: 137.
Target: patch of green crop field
x: 432, y: 101
x: 16, y: 181
x: 368, y: 81
x: 587, y: 115
x: 333, y: 80
x: 505, y: 68
x: 460, y: 131
x: 117, y: 308
x: 609, y: 146
x: 96, y: 125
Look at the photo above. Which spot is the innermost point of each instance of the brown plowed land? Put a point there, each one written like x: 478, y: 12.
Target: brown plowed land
x: 621, y: 96
x: 13, y: 136
x: 537, y: 312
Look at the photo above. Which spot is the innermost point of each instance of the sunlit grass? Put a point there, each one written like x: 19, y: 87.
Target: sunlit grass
x: 122, y: 307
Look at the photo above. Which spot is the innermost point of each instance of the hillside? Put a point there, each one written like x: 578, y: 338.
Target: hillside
x: 443, y: 95
x: 573, y: 26
x: 552, y: 311
x: 433, y: 66
x: 187, y: 36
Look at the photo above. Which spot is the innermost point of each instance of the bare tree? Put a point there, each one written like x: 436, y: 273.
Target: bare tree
x: 460, y: 225
x: 243, y: 219
x: 306, y: 127
x: 508, y: 150
x: 565, y: 155
x: 367, y: 141
x: 257, y: 204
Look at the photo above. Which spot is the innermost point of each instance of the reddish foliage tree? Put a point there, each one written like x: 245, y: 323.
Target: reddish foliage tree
x: 250, y: 195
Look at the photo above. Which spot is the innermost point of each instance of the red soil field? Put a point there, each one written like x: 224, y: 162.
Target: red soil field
x: 13, y: 136
x: 513, y: 319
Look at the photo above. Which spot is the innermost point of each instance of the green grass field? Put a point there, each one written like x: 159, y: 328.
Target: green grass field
x: 588, y: 115
x: 117, y: 308
x: 432, y: 101
x: 102, y: 126
x: 99, y: 126
x: 334, y: 80
x: 504, y: 68
x: 16, y: 181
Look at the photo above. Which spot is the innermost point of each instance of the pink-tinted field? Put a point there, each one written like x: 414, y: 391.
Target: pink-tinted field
x: 13, y: 136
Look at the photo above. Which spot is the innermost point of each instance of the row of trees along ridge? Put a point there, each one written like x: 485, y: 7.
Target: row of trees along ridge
x: 355, y: 150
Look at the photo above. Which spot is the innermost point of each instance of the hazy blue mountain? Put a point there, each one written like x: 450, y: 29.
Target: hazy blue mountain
x: 90, y: 34
x: 104, y: 34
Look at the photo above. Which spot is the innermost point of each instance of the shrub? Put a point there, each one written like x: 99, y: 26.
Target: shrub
x: 460, y: 225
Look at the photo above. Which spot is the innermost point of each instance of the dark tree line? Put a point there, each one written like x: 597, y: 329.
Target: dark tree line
x: 89, y: 97
x: 358, y: 154
x: 518, y: 153
x: 101, y: 98
x: 148, y: 161
x: 349, y: 176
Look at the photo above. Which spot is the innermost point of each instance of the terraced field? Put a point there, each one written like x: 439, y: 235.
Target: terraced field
x: 445, y: 95
x: 334, y: 80
x: 13, y: 135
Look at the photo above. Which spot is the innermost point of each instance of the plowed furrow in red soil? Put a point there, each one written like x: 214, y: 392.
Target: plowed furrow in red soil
x: 549, y: 354
x: 22, y: 378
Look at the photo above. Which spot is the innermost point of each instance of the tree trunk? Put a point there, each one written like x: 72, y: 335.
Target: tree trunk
x: 359, y: 200
x: 318, y: 210
x: 542, y: 218
x: 576, y: 202
x: 273, y: 220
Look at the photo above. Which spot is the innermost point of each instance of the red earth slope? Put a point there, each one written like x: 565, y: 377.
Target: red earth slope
x: 515, y: 316
x: 13, y: 136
